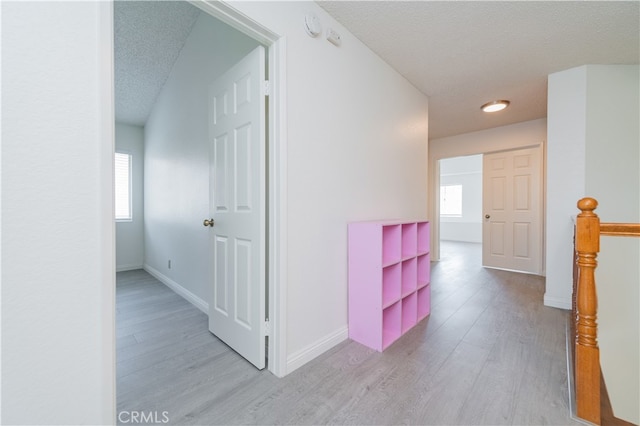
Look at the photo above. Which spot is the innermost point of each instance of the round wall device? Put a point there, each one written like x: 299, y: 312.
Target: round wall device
x: 312, y: 24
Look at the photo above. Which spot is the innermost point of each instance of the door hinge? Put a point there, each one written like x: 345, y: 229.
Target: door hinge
x: 266, y: 85
x: 267, y: 327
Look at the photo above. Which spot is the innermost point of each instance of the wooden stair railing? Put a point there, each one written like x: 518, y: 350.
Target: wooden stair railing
x: 586, y: 356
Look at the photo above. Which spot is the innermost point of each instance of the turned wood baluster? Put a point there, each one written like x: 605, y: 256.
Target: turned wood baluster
x: 587, y: 354
x: 574, y: 305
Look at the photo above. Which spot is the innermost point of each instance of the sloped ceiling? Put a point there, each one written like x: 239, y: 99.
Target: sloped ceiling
x: 461, y: 54
x: 148, y: 37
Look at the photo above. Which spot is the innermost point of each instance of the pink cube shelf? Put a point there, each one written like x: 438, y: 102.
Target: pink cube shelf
x: 424, y: 240
x: 424, y: 270
x: 424, y: 302
x: 391, y: 324
x: 391, y: 284
x: 391, y: 244
x: 409, y: 276
x: 389, y: 272
x: 409, y: 311
x: 409, y: 240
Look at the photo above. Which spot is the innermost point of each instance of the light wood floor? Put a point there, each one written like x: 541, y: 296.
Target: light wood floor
x: 489, y: 354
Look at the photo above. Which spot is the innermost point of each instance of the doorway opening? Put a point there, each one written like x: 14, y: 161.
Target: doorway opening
x: 185, y: 179
x: 496, y: 204
x: 460, y: 209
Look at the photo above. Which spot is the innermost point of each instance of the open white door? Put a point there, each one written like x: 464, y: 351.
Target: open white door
x: 512, y: 230
x: 237, y: 205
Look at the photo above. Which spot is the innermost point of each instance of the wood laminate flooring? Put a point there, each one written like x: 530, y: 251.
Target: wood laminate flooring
x: 489, y: 354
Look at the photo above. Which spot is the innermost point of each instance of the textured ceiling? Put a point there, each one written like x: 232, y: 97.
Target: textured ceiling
x: 460, y: 54
x: 464, y: 54
x: 148, y: 36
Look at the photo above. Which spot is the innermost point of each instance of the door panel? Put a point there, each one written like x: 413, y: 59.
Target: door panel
x: 237, y: 205
x: 219, y: 182
x: 512, y: 230
x: 243, y: 156
x: 498, y: 185
x: 521, y: 238
x: 497, y: 239
x: 243, y: 279
x: 522, y: 193
x: 220, y: 267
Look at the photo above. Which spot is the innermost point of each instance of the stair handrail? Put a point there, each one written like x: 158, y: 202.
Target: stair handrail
x: 620, y: 229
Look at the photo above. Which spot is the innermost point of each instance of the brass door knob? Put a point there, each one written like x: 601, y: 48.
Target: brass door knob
x: 486, y: 216
x: 208, y: 222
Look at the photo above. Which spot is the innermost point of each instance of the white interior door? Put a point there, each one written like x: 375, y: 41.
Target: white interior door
x: 512, y: 230
x: 237, y: 205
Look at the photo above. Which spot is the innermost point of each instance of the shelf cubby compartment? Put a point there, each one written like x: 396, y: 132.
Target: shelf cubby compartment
x: 424, y: 238
x: 424, y: 302
x: 409, y: 240
x: 409, y: 311
x: 391, y: 244
x: 424, y: 270
x: 391, y: 284
x: 409, y: 276
x: 391, y: 324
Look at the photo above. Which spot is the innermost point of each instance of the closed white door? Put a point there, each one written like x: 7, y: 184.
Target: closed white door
x: 512, y: 204
x: 237, y: 205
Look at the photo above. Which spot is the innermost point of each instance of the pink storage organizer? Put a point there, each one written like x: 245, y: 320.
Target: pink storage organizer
x: 389, y: 280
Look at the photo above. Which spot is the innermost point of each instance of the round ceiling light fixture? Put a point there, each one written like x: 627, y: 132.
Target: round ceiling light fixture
x: 495, y: 106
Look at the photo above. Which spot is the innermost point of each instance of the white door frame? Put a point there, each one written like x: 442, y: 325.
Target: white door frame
x: 434, y: 198
x: 277, y: 166
x: 276, y: 193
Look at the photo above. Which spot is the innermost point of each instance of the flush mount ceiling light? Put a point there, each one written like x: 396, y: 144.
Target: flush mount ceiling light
x: 494, y: 106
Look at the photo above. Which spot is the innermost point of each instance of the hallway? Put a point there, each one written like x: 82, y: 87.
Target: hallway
x: 490, y: 353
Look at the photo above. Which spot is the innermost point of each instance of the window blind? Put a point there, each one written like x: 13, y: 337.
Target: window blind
x: 123, y: 186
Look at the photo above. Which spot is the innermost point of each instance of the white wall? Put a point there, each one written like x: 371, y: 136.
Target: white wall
x: 176, y: 168
x: 57, y: 224
x: 130, y: 234
x: 357, y: 150
x: 357, y: 147
x: 465, y: 171
x: 565, y: 178
x: 613, y: 175
x: 519, y: 135
x: 594, y: 150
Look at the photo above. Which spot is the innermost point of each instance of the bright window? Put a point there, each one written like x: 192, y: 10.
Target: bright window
x: 123, y: 186
x: 451, y: 200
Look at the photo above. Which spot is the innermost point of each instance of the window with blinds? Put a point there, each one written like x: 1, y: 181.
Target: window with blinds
x: 123, y: 186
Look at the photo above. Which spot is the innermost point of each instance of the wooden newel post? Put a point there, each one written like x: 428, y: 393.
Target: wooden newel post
x: 587, y: 361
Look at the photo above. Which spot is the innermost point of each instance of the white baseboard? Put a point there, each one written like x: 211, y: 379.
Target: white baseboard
x: 301, y: 357
x: 557, y: 302
x: 186, y: 294
x: 122, y: 268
